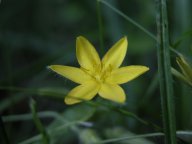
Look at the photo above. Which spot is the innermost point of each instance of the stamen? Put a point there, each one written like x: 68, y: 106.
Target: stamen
x: 99, y: 73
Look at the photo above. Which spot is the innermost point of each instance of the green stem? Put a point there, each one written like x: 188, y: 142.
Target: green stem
x: 100, y: 23
x: 164, y: 67
x: 38, y: 122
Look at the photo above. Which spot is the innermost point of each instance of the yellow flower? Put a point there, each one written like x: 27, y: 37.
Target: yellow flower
x: 96, y: 75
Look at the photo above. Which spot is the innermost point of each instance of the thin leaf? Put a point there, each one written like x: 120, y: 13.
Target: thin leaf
x: 115, y: 140
x: 164, y: 67
x: 135, y: 24
x: 128, y: 19
x: 180, y: 76
x: 124, y: 112
x: 38, y: 122
x: 185, y: 67
x: 184, y: 36
x: 100, y: 24
x: 88, y: 136
x: 56, y: 93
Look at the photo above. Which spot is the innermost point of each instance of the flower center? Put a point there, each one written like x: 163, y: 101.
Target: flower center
x: 99, y: 72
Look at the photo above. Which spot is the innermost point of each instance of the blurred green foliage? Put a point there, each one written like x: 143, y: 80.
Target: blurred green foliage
x: 38, y: 33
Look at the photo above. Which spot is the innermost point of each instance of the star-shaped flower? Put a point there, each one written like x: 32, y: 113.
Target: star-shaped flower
x: 96, y: 75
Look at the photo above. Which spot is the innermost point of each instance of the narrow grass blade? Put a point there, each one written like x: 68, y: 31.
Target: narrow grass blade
x: 125, y: 113
x: 180, y: 76
x: 136, y: 24
x: 164, y: 67
x: 115, y: 140
x: 24, y: 117
x: 100, y: 23
x: 51, y: 92
x: 185, y: 67
x: 128, y: 19
x: 38, y: 122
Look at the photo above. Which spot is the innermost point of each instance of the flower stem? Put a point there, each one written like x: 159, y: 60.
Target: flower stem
x: 38, y: 122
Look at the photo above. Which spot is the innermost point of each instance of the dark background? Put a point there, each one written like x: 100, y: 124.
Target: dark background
x: 38, y: 33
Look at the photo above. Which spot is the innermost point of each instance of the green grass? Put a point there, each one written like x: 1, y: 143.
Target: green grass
x: 165, y: 77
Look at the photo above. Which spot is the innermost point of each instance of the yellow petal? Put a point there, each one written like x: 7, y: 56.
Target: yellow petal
x: 82, y: 92
x: 75, y: 74
x: 87, y: 56
x: 115, y: 56
x: 112, y: 92
x: 125, y: 74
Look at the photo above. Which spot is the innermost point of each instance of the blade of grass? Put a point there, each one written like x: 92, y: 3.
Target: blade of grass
x: 128, y: 19
x: 52, y: 131
x: 180, y: 76
x: 43, y: 114
x: 100, y: 23
x: 115, y: 140
x: 125, y: 113
x: 165, y: 80
x: 24, y: 117
x: 56, y: 93
x: 114, y: 27
x: 38, y: 123
x: 46, y: 91
x: 136, y: 24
